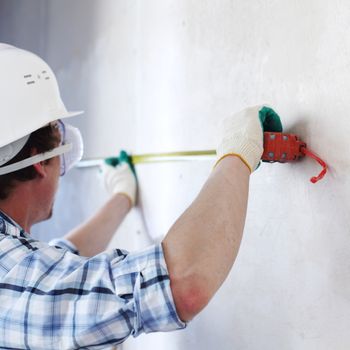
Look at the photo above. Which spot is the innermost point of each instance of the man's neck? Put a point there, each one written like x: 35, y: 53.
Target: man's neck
x: 19, y: 207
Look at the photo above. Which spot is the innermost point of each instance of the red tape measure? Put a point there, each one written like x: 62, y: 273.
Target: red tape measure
x: 282, y: 148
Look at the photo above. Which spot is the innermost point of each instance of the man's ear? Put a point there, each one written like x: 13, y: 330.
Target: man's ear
x: 40, y: 168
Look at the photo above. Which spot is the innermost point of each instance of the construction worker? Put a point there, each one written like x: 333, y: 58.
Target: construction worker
x: 72, y: 293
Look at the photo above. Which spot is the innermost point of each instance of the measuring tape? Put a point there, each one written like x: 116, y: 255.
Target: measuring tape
x: 155, y: 158
x: 278, y: 147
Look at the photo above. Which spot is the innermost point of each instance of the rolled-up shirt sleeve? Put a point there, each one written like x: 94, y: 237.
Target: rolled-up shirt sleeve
x: 149, y: 290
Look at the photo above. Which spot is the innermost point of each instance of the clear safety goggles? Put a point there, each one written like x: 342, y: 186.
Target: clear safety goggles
x: 70, y: 136
x: 70, y: 151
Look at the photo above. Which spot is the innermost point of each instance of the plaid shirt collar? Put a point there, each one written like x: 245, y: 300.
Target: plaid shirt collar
x: 10, y: 227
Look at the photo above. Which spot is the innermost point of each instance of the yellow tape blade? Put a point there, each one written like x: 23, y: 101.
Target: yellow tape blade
x: 154, y: 158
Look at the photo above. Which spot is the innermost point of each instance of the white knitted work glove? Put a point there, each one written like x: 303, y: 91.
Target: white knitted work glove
x: 242, y: 135
x: 120, y: 179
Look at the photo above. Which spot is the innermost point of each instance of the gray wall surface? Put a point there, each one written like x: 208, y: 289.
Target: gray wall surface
x: 157, y: 76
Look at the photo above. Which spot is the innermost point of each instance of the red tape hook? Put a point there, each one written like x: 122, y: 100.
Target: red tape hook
x: 320, y: 176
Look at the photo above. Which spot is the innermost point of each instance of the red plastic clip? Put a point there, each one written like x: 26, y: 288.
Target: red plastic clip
x: 281, y: 147
x: 310, y: 154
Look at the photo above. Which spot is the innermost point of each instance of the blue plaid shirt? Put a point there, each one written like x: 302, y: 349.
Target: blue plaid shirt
x: 52, y: 298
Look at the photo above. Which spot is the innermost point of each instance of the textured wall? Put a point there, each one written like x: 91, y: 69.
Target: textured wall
x: 158, y: 76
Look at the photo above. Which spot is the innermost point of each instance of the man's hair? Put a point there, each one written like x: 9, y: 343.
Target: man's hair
x: 42, y: 140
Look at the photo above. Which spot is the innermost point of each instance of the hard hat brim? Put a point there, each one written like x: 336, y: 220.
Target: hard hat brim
x: 71, y: 114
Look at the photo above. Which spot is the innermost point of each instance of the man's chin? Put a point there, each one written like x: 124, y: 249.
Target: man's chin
x: 48, y: 216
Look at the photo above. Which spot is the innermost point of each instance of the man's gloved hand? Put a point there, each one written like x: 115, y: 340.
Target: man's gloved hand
x: 119, y: 175
x: 242, y: 134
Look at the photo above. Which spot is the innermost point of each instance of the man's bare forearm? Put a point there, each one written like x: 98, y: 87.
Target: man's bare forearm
x: 93, y: 236
x: 202, y: 245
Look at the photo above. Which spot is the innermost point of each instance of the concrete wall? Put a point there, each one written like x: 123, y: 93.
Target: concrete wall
x: 157, y: 76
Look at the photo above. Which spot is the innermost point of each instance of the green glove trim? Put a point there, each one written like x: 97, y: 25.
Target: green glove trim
x: 112, y: 161
x: 270, y: 120
x: 123, y: 158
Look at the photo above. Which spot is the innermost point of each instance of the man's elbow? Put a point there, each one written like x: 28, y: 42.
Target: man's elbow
x: 190, y: 296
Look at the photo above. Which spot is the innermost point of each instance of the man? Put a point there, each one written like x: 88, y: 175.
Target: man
x: 72, y: 294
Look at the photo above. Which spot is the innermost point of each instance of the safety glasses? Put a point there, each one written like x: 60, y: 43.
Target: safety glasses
x: 71, y: 136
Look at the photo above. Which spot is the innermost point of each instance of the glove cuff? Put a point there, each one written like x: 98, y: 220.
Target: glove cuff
x: 249, y: 151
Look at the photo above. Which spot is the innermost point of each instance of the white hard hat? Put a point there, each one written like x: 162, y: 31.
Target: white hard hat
x: 30, y: 98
